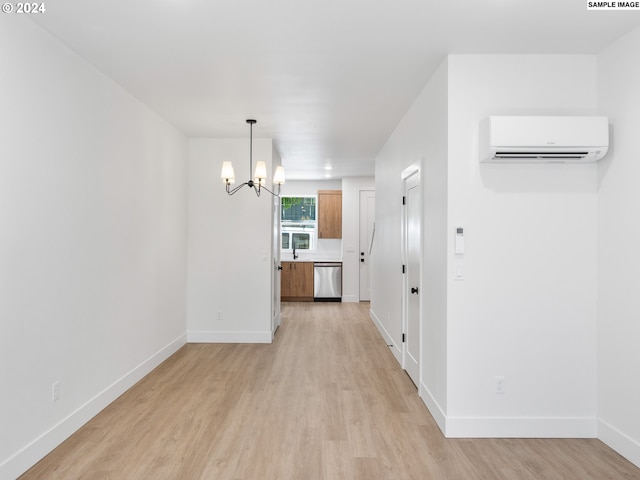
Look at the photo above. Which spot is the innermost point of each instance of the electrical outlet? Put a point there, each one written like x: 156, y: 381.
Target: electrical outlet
x: 500, y: 386
x: 55, y: 391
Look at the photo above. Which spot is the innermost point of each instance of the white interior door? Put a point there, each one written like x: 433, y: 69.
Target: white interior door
x: 412, y: 234
x: 367, y: 229
x: 275, y: 273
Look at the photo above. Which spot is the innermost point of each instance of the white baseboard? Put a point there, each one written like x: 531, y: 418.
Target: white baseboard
x: 350, y: 299
x: 229, y: 337
x: 387, y: 338
x: 277, y: 321
x: 521, y: 427
x: 620, y: 442
x: 33, y: 452
x: 434, y: 408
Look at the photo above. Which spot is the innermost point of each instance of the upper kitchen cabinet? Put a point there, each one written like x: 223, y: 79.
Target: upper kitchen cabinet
x: 329, y: 213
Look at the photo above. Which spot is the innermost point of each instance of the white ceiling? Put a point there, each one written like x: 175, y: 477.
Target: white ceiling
x: 327, y: 80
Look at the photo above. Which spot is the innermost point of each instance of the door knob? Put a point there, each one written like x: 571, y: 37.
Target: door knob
x: 279, y: 267
x: 414, y: 290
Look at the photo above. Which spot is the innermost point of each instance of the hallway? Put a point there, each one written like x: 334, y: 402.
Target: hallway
x: 326, y: 400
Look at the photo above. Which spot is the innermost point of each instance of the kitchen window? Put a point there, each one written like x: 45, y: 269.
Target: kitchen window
x: 298, y: 222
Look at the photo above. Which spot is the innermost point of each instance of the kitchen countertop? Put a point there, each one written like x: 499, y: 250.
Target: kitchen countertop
x: 311, y: 257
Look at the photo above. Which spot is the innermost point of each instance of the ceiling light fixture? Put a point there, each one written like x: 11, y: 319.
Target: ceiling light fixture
x: 259, y: 176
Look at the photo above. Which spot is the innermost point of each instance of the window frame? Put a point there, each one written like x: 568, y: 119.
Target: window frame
x: 290, y: 229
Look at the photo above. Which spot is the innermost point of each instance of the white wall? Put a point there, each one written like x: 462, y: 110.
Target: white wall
x: 351, y: 188
x: 309, y: 187
x: 420, y: 137
x: 619, y: 261
x: 527, y: 307
x: 229, y: 245
x: 92, y: 241
x: 386, y: 260
x: 433, y: 109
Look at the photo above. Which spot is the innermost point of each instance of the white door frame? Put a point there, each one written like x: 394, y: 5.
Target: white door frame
x: 276, y: 315
x: 414, y: 169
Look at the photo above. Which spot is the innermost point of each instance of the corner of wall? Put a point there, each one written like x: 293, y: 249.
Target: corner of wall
x: 619, y: 441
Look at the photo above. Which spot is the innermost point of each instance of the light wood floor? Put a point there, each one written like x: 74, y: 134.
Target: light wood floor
x: 326, y: 400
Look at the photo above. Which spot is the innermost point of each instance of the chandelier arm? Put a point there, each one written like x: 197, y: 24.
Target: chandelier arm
x: 231, y: 192
x: 272, y: 193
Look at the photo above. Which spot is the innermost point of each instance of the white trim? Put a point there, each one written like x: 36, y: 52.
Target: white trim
x: 276, y: 280
x: 229, y: 337
x: 33, y: 452
x: 386, y: 336
x: 411, y: 169
x: 434, y: 408
x: 620, y: 442
x: 277, y: 322
x: 350, y: 299
x: 521, y: 427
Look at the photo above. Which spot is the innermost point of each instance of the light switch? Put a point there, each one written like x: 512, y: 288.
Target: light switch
x: 459, y: 272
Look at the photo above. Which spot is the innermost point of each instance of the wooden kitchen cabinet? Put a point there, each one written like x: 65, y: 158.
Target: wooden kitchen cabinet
x: 329, y: 213
x: 296, y: 284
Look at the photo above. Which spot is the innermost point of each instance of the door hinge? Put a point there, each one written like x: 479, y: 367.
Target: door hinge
x: 403, y: 269
x: 403, y: 338
x: 404, y: 200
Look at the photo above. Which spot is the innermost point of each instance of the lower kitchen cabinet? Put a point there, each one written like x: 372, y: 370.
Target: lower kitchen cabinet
x: 296, y: 283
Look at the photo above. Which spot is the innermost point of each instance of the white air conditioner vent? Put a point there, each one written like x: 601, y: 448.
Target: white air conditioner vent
x: 518, y: 139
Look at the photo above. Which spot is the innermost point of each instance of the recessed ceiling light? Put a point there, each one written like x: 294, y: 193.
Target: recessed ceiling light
x: 327, y: 175
x: 328, y: 167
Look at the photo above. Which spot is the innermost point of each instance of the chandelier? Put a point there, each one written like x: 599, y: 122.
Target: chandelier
x: 259, y: 176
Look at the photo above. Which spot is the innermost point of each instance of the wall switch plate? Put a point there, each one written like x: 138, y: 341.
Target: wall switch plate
x: 499, y: 386
x: 55, y: 391
x: 459, y: 272
x: 219, y: 315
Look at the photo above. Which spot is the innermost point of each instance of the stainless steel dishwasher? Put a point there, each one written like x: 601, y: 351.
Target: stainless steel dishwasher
x: 327, y: 281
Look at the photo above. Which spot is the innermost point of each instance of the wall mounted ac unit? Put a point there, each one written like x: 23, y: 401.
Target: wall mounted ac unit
x: 538, y: 139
